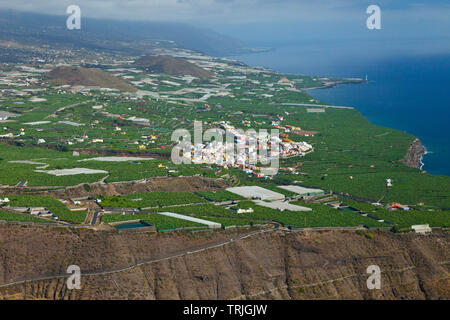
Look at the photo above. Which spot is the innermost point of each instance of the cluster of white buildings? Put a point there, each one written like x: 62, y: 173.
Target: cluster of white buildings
x: 244, y: 149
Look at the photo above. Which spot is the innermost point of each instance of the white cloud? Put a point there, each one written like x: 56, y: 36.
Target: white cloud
x: 233, y: 11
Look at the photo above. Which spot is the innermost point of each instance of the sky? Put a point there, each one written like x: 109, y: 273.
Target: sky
x: 237, y: 11
x: 278, y: 22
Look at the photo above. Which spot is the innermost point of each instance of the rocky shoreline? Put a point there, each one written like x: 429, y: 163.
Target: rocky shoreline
x: 413, y: 157
x: 331, y: 84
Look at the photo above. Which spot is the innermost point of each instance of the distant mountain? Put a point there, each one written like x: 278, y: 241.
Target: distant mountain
x: 78, y: 76
x: 172, y: 66
x: 136, y: 38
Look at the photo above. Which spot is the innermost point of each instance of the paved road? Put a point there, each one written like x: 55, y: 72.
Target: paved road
x: 94, y: 218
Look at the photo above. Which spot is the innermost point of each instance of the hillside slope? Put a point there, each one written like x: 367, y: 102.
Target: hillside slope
x: 270, y: 265
x: 76, y: 76
x: 131, y: 37
x: 172, y: 66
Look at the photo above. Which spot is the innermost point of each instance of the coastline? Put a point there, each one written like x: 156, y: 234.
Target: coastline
x: 393, y: 97
x: 421, y: 158
x: 414, y: 155
x: 331, y: 84
x: 416, y: 151
x: 366, y: 100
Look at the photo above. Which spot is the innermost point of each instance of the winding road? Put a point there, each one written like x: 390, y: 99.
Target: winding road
x: 143, y: 262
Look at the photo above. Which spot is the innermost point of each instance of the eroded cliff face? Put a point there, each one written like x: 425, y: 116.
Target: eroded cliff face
x: 166, y: 184
x: 414, y: 155
x: 269, y: 265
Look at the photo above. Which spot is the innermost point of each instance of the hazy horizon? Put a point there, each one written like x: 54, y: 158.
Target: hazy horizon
x: 419, y: 27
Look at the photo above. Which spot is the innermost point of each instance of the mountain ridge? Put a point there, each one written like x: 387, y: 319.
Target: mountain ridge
x: 76, y: 76
x: 172, y: 66
x: 131, y: 37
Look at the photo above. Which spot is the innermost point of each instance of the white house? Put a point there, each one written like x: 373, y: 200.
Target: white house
x: 389, y: 182
x: 421, y: 228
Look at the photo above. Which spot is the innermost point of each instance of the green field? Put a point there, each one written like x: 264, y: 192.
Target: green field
x: 433, y: 217
x: 351, y: 156
x: 55, y: 206
x: 151, y: 199
x: 159, y: 221
x: 9, y: 216
x: 219, y: 196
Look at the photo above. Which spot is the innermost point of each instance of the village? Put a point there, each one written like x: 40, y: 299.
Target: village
x: 91, y: 135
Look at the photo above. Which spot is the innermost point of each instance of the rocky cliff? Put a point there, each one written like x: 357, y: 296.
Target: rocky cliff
x: 271, y: 265
x: 414, y: 155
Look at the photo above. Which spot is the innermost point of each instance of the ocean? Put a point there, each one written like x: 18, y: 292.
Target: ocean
x: 405, y: 92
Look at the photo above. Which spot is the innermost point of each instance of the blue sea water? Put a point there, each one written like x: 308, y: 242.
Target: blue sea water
x: 406, y: 92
